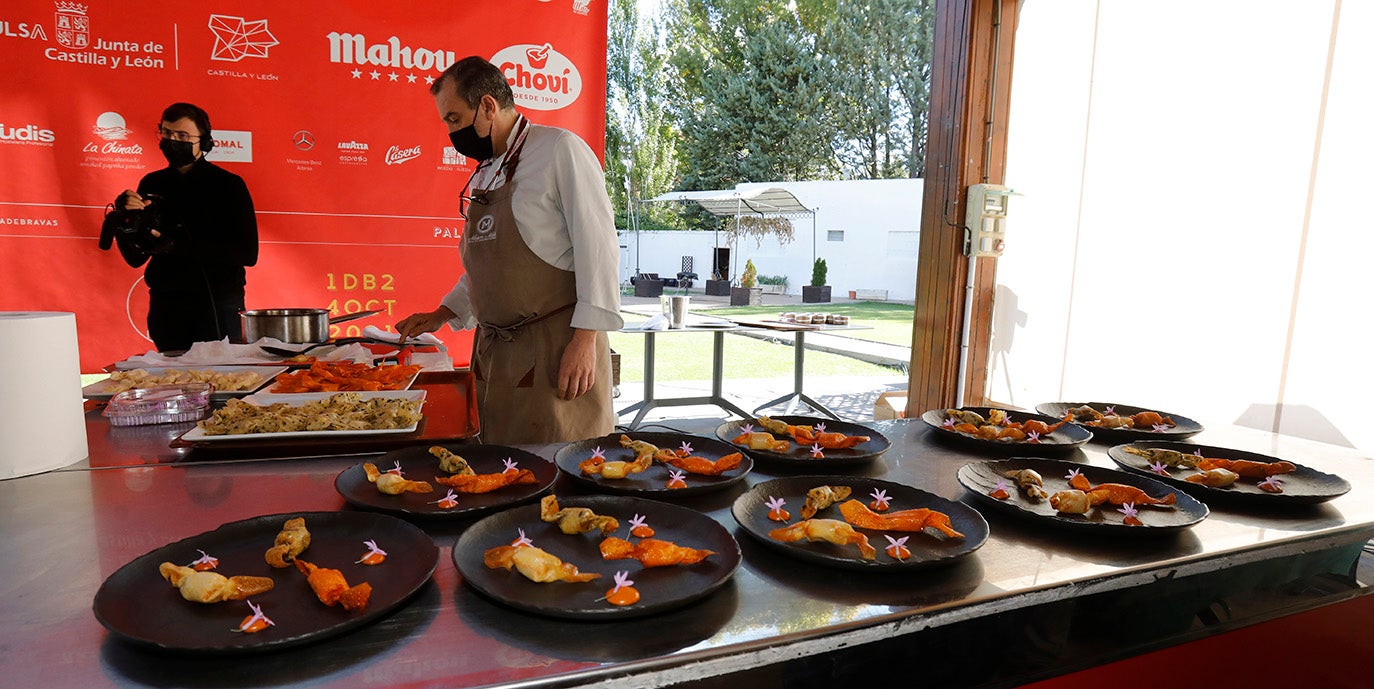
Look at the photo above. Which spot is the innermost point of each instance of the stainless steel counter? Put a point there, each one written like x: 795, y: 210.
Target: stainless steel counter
x: 65, y: 531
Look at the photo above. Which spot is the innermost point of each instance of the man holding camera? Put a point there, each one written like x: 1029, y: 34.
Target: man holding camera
x: 193, y: 224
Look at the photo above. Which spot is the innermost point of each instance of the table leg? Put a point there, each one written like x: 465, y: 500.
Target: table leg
x: 798, y: 371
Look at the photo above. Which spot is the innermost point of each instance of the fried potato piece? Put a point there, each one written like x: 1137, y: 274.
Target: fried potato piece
x: 293, y: 539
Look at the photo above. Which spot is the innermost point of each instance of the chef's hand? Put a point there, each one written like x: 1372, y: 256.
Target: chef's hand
x: 132, y: 201
x: 417, y: 324
x: 577, y: 370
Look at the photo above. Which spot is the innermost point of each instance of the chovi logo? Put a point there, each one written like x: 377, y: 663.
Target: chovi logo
x: 541, y: 77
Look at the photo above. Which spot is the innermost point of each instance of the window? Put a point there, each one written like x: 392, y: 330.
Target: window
x: 834, y: 235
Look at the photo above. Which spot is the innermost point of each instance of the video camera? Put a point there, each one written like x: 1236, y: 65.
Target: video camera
x: 134, y: 228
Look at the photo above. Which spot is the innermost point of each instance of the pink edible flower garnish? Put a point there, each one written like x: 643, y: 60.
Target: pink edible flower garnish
x: 1006, y: 420
x: 598, y: 453
x: 510, y: 465
x: 820, y: 428
x: 747, y: 428
x: 637, y: 520
x: 372, y: 549
x: 949, y: 422
x: 622, y: 580
x: 522, y: 541
x: 1033, y: 437
x: 1197, y: 452
x: 1159, y: 427
x: 894, y: 542
x: 396, y: 469
x: 776, y: 503
x: 686, y: 447
x: 257, y: 617
x: 1111, y: 410
x: 448, y: 501
x: 1073, y: 473
x: 1272, y: 483
x: 1129, y: 510
x: 675, y: 479
x: 816, y: 452
x: 1159, y: 468
x: 880, y: 497
x: 896, y: 547
x: 205, y: 561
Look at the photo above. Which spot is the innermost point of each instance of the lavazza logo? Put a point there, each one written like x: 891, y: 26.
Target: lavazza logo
x: 352, y: 152
x: 541, y: 78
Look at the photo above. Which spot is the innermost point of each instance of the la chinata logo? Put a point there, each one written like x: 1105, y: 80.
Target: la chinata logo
x: 71, y: 26
x: 541, y: 77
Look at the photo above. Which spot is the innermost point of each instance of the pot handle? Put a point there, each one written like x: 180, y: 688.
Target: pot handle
x: 352, y: 316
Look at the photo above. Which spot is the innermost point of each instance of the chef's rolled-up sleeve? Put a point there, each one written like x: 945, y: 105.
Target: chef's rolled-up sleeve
x: 457, y: 301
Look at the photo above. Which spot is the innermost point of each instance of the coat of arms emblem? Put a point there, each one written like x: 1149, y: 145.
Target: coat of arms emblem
x: 72, y: 26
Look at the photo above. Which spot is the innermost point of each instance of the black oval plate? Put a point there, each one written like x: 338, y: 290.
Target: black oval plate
x: 1303, y: 486
x: 138, y: 605
x: 751, y: 511
x: 1066, y: 437
x: 980, y: 478
x: 652, y: 482
x: 1184, y: 427
x: 801, y: 454
x: 660, y: 588
x: 419, y: 465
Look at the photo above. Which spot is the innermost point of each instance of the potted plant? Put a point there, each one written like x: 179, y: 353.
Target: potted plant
x: 748, y: 293
x: 773, y: 284
x: 718, y: 285
x: 817, y: 292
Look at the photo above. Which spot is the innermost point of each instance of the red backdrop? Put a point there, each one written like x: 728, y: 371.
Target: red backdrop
x: 322, y: 107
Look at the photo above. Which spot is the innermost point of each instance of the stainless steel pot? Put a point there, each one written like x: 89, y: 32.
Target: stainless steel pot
x: 293, y: 325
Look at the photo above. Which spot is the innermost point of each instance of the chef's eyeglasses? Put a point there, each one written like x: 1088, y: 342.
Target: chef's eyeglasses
x: 464, y: 198
x: 174, y: 135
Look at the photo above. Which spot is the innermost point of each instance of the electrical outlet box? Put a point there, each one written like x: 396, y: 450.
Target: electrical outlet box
x: 985, y: 222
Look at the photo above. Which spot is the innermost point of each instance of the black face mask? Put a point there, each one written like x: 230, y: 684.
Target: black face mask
x: 470, y: 144
x: 177, y: 153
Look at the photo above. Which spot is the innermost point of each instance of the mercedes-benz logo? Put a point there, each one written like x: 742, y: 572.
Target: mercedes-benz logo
x: 303, y: 140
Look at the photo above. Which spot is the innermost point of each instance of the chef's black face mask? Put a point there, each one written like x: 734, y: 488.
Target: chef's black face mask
x: 469, y: 143
x: 177, y: 153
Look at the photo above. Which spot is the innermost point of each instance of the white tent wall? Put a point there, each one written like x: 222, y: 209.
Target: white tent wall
x: 1193, y: 233
x: 878, y: 222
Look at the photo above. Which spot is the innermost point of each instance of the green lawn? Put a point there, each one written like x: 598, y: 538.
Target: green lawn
x: 688, y: 356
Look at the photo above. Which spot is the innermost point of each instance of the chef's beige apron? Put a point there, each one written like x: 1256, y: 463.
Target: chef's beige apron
x: 524, y: 309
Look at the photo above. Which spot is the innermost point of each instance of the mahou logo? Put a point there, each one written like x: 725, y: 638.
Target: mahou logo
x: 541, y: 77
x: 397, y: 155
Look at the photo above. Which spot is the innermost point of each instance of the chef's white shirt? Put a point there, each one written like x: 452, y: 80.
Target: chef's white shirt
x: 564, y: 216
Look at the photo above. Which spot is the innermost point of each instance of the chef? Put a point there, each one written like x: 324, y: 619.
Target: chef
x: 541, y: 257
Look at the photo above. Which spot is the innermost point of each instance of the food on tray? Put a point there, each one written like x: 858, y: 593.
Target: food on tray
x: 536, y: 564
x: 253, y: 623
x: 291, y: 541
x: 838, y: 441
x: 998, y: 426
x: 827, y: 530
x: 332, y: 589
x: 1131, y: 516
x: 212, y: 587
x: 919, y: 519
x: 639, y: 447
x: 821, y: 497
x: 338, y: 376
x: 651, y: 552
x: 1085, y: 415
x: 205, y: 562
x: 1271, y: 484
x: 801, y: 434
x: 700, y: 465
x: 676, y: 479
x: 1165, y: 456
x: 1030, y: 481
x: 486, y: 483
x: 1247, y: 468
x: 896, y: 547
x: 450, y: 462
x: 639, y: 529
x: 1071, y: 501
x: 222, y: 381
x: 880, y: 500
x: 1002, y: 490
x: 448, y: 502
x: 392, y: 482
x: 624, y: 592
x: 776, y: 511
x: 760, y: 440
x: 1214, y: 478
x: 345, y: 411
x: 597, y: 464
x: 575, y: 520
x: 1116, y: 493
x: 373, y: 556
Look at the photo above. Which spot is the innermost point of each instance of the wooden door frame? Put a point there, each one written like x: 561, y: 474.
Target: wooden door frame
x: 967, y: 144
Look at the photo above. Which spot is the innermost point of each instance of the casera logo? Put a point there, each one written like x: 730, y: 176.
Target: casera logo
x: 397, y: 155
x: 28, y: 134
x: 541, y: 77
